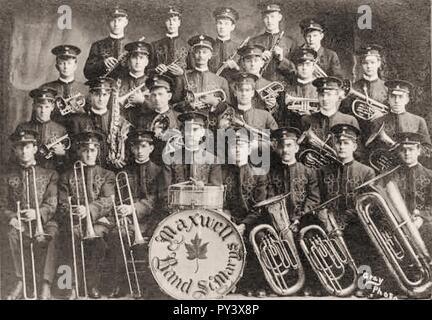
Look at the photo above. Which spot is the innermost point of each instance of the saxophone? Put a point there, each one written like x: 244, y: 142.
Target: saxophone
x: 119, y: 129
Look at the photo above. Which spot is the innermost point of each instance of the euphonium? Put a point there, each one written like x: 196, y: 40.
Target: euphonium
x: 383, y: 159
x: 272, y: 90
x: 321, y: 152
x: 276, y: 250
x: 72, y: 104
x: 329, y: 257
x: 388, y: 223
x: 301, y: 105
x: 125, y: 197
x: 366, y: 108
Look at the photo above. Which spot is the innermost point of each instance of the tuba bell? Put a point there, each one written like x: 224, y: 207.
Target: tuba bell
x: 382, y: 159
x: 276, y: 250
x: 321, y: 153
x: 387, y: 221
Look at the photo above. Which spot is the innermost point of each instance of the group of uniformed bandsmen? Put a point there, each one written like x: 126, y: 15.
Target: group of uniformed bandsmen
x: 169, y: 72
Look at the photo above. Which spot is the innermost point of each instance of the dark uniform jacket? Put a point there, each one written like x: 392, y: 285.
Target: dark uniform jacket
x: 148, y: 190
x: 244, y: 188
x: 287, y: 43
x: 107, y: 47
x: 222, y: 50
x: 328, y: 60
x: 12, y: 189
x: 336, y: 179
x: 167, y: 50
x: 375, y: 89
x: 47, y: 133
x: 100, y: 184
x: 257, y: 118
x: 300, y: 181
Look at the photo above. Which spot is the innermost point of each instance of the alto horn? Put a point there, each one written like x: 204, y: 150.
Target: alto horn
x: 125, y: 197
x: 301, y: 105
x: 388, y: 223
x: 275, y: 249
x: 382, y: 159
x: 320, y: 152
x: 73, y: 104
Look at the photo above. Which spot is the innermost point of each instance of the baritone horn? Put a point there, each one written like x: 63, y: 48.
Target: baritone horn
x: 329, y: 257
x: 382, y: 159
x: 387, y: 221
x: 36, y: 233
x: 80, y: 189
x: 320, y: 152
x: 364, y: 107
x: 72, y: 104
x: 275, y: 249
x: 125, y: 197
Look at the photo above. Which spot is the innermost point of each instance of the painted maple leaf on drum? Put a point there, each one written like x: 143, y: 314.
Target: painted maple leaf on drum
x: 196, y: 251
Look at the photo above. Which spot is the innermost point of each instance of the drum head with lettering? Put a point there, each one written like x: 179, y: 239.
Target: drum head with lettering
x: 196, y: 254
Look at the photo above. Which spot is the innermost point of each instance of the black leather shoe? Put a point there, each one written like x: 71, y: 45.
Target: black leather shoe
x: 117, y: 292
x: 94, y: 293
x: 260, y: 293
x: 16, y: 293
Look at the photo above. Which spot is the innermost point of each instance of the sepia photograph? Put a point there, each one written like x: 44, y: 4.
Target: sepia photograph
x: 245, y: 151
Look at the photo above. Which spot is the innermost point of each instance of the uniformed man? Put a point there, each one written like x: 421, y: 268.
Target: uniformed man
x: 104, y: 54
x: 336, y: 179
x: 398, y: 119
x: 252, y: 61
x: 189, y: 160
x: 98, y: 115
x: 245, y: 188
x: 300, y: 86
x: 415, y: 183
x: 100, y: 184
x: 224, y: 46
x: 42, y: 187
x: 147, y: 189
x: 171, y: 52
x: 47, y: 130
x: 272, y: 16
x: 327, y: 59
x: 66, y: 85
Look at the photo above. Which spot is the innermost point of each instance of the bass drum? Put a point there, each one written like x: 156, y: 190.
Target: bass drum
x: 197, y: 254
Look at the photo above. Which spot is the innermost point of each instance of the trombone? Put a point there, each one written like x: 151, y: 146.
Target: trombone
x: 90, y: 234
x: 39, y: 234
x: 122, y: 183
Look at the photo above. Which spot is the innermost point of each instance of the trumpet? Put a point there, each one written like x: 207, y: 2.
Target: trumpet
x: 38, y: 234
x: 382, y: 159
x: 72, y: 104
x: 276, y: 250
x: 388, y: 223
x: 329, y: 257
x: 366, y: 108
x: 46, y: 149
x: 124, y: 99
x: 272, y: 90
x: 126, y: 198
x: 321, y: 153
x: 301, y: 105
x: 81, y: 188
x: 196, y: 100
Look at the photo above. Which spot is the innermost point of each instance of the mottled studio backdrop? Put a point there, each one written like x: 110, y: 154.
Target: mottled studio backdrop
x: 29, y: 31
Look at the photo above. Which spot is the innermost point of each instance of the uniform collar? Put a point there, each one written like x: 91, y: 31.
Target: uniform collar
x: 166, y: 109
x: 202, y: 69
x: 289, y: 164
x: 66, y: 81
x: 32, y: 164
x: 349, y: 163
x: 144, y: 162
x: 136, y: 77
x: 223, y: 40
x: 172, y: 36
x: 99, y: 112
x: 244, y: 108
x: 370, y: 79
x: 305, y: 81
x: 272, y: 33
x: 328, y: 114
x: 116, y: 37
x: 396, y: 113
x: 412, y: 166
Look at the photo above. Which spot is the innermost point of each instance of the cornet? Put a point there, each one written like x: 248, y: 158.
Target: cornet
x: 125, y: 197
x: 276, y: 250
x: 38, y: 234
x: 46, y: 149
x: 81, y: 188
x: 382, y: 159
x: 73, y: 104
x: 272, y: 90
x: 196, y: 100
x: 124, y: 99
x: 321, y: 153
x: 301, y: 105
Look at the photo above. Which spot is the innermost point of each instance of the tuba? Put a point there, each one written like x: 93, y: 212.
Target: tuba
x: 81, y: 189
x: 364, y: 107
x: 276, y: 250
x: 329, y: 257
x: 72, y: 104
x: 301, y: 105
x: 124, y: 193
x: 382, y: 159
x: 388, y: 223
x: 321, y: 153
x: 36, y: 233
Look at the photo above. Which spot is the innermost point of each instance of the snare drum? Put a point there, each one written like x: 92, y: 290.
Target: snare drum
x: 187, y: 196
x: 197, y: 254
